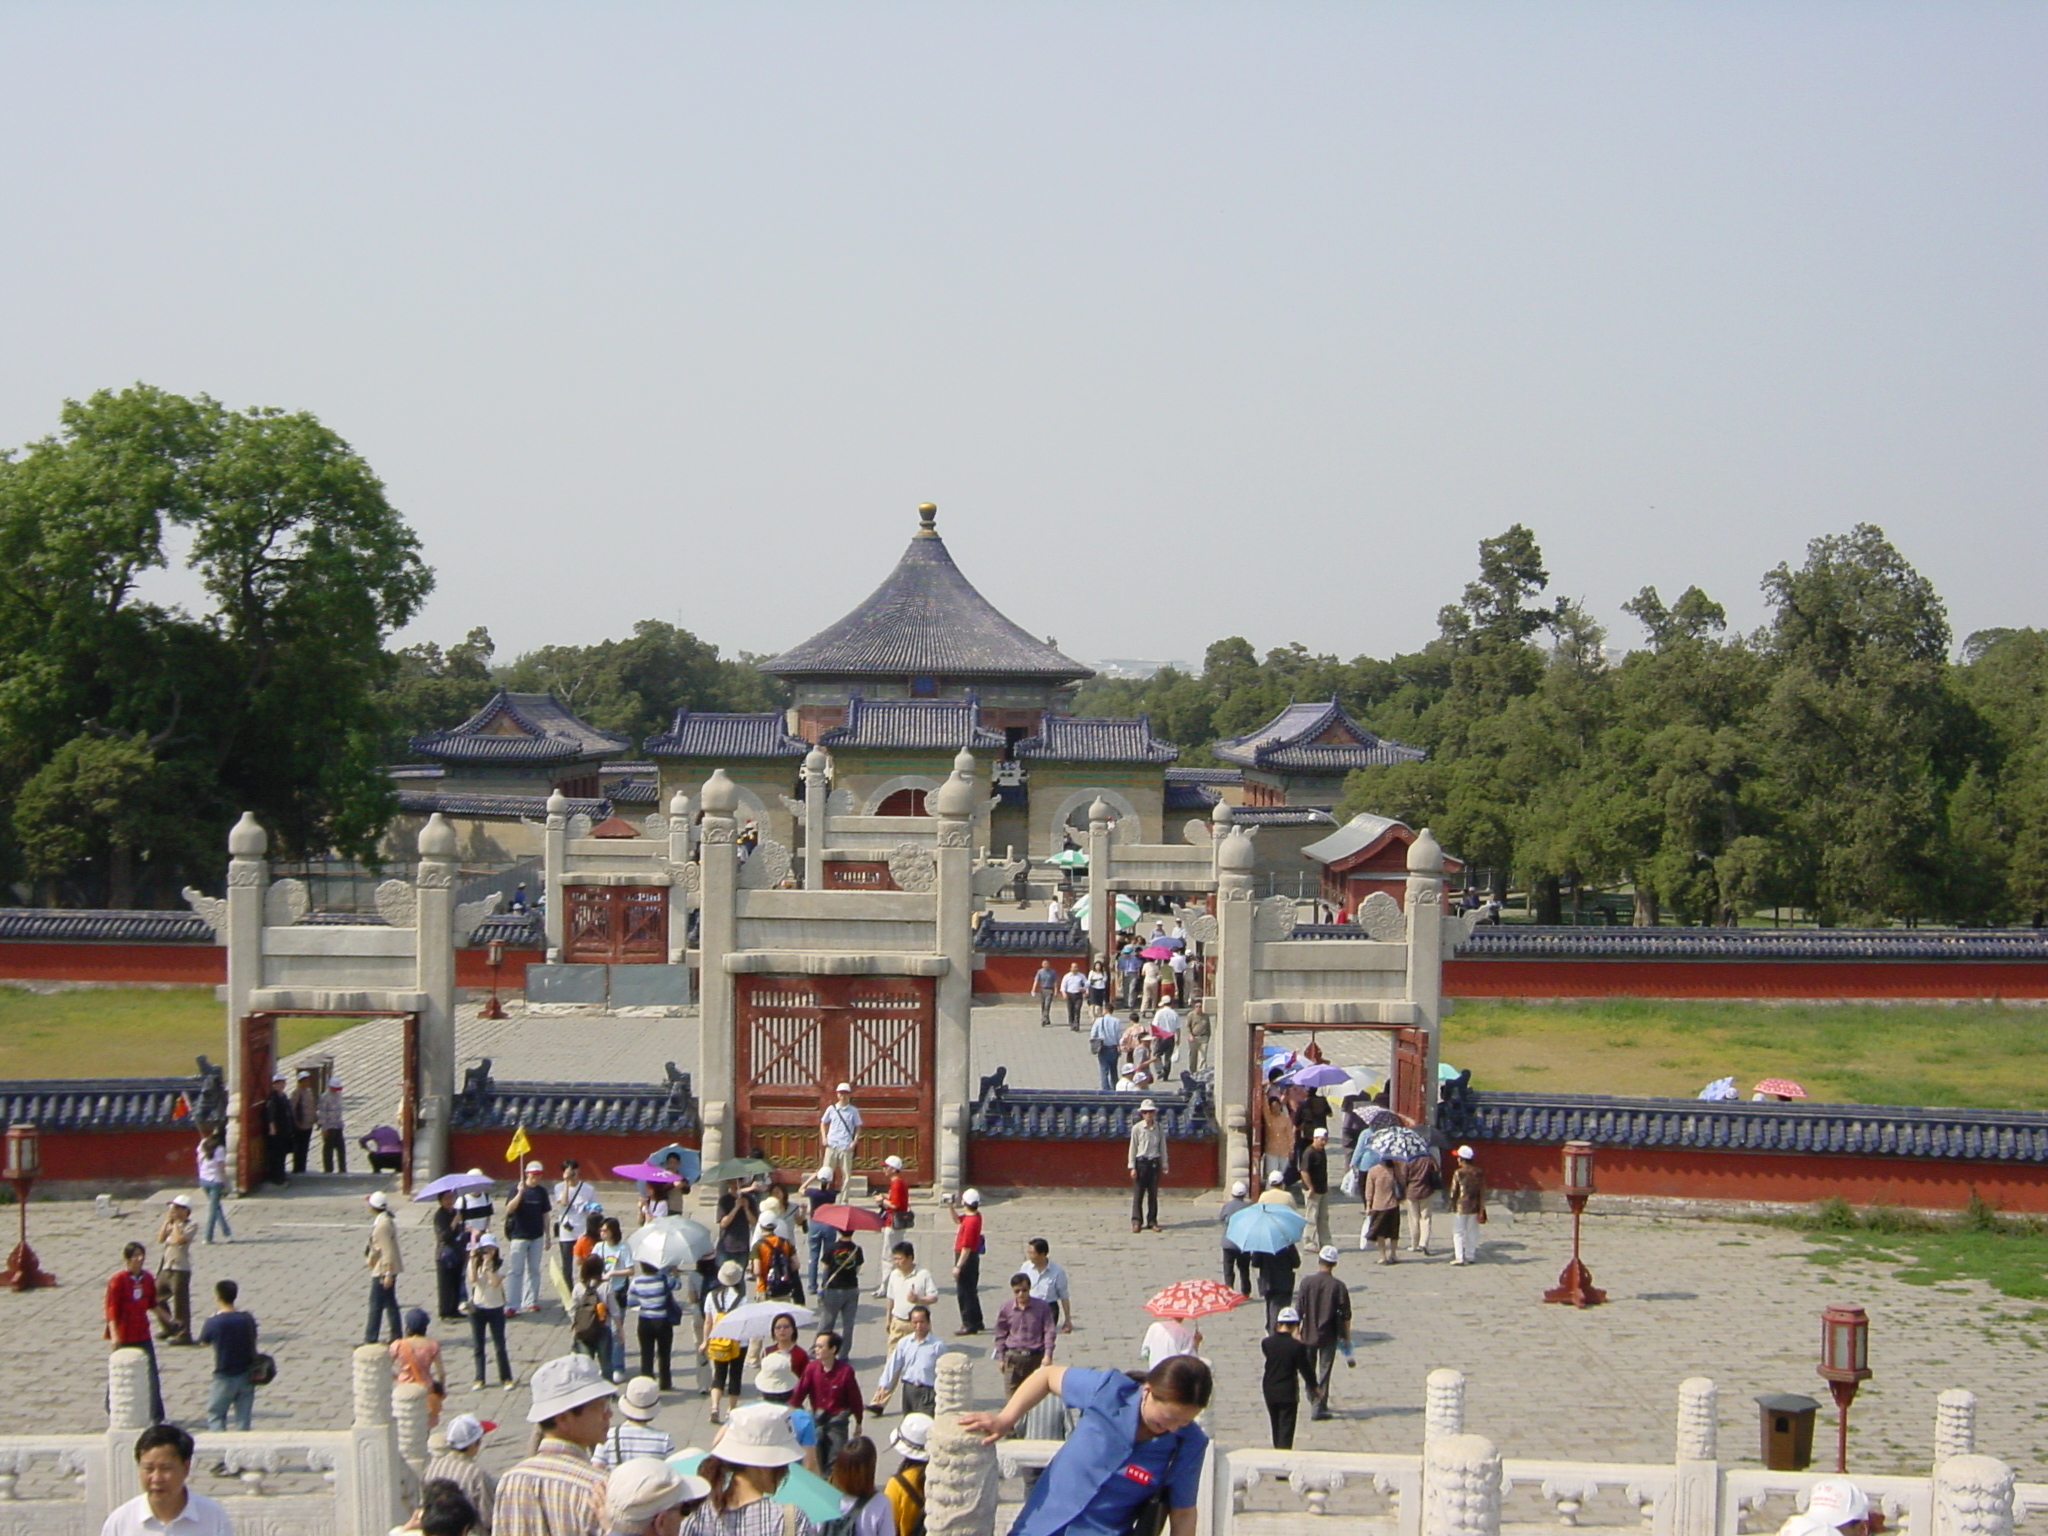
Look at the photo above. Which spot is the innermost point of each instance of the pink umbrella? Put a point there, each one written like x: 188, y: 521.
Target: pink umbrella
x: 647, y: 1173
x: 1157, y: 951
x: 847, y: 1218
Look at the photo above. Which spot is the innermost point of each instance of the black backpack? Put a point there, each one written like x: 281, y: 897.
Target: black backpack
x: 781, y: 1277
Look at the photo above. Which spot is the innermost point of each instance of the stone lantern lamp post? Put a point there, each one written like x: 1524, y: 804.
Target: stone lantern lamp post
x: 1575, y: 1286
x: 24, y: 1163
x: 1845, y: 1363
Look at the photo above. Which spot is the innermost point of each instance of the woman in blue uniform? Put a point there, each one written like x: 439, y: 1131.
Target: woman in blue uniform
x: 1136, y: 1439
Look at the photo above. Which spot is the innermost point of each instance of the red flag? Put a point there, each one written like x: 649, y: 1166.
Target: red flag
x: 181, y: 1110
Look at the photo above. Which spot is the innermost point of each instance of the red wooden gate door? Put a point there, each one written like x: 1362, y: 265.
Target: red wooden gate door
x: 615, y: 925
x: 1411, y: 1061
x: 258, y: 1047
x: 799, y: 1036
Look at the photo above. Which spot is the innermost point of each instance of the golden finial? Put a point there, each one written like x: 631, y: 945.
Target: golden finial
x: 927, y: 516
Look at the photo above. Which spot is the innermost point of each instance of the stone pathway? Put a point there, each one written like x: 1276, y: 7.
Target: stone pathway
x: 1734, y: 1302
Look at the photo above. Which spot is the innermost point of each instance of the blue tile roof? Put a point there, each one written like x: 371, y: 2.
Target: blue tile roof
x: 948, y: 723
x: 1291, y: 739
x: 926, y: 619
x: 1205, y: 775
x: 520, y: 727
x: 1281, y: 816
x: 56, y: 925
x: 426, y: 802
x: 1880, y: 1130
x: 642, y: 1109
x: 633, y: 792
x: 1072, y: 739
x: 1520, y: 941
x: 116, y: 1104
x: 1060, y: 1114
x: 514, y: 930
x: 1190, y: 797
x: 995, y: 938
x: 702, y: 734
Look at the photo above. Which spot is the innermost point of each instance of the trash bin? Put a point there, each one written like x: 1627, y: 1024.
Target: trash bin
x: 1787, y: 1430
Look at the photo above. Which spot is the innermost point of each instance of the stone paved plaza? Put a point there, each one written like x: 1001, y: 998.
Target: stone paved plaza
x: 1735, y: 1302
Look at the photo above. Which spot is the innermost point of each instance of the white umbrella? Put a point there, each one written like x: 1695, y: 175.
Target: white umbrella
x: 756, y: 1320
x: 666, y: 1246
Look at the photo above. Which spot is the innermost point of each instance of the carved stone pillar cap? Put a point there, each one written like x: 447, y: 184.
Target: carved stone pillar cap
x: 1425, y: 854
x: 247, y: 839
x: 1221, y: 814
x: 956, y: 796
x: 437, y: 838
x: 1236, y: 852
x: 558, y: 804
x: 678, y: 804
x: 721, y: 797
x: 1101, y: 810
x: 815, y: 761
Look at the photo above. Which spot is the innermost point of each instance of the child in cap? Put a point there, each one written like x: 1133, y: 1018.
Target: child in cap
x: 458, y: 1464
x: 633, y: 1432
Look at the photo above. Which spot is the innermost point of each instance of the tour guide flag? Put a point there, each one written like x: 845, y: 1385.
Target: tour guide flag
x: 520, y: 1145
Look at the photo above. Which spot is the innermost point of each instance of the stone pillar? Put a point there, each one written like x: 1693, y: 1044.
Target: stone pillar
x: 555, y: 865
x: 409, y: 1415
x: 1101, y: 898
x: 1973, y: 1496
x: 1460, y: 1486
x: 953, y: 1383
x: 248, y: 879
x: 960, y: 1481
x: 1230, y: 1036
x: 717, y: 936
x: 435, y: 935
x: 817, y: 785
x: 1425, y: 914
x: 1220, y: 818
x: 681, y: 899
x: 369, y: 1379
x: 370, y: 1486
x: 953, y: 805
x: 1694, y: 1506
x: 1444, y: 1404
x: 1955, y: 1424
x: 127, y: 1390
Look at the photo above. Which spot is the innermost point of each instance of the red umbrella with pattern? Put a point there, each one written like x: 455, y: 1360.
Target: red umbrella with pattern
x: 1185, y: 1299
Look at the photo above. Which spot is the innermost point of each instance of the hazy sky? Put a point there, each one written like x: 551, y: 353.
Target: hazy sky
x: 1194, y: 319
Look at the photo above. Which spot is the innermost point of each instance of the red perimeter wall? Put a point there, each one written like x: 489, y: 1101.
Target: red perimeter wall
x: 1793, y: 1177
x: 1026, y: 1163
x: 1745, y: 978
x: 165, y: 1158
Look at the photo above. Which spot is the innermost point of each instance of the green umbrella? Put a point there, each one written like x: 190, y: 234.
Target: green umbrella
x: 800, y: 1488
x: 1069, y: 858
x: 1126, y: 910
x: 736, y: 1168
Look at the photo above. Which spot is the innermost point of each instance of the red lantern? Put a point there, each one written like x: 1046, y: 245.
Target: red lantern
x: 24, y: 1163
x: 1575, y: 1286
x: 1845, y: 1365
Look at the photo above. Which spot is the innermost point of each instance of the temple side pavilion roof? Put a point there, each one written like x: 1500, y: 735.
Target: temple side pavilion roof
x: 926, y: 620
x: 1079, y: 739
x: 1314, y: 737
x: 703, y: 734
x: 898, y: 723
x: 520, y: 728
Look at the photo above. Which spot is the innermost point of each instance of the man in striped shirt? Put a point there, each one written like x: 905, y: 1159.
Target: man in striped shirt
x: 634, y: 1434
x: 558, y: 1491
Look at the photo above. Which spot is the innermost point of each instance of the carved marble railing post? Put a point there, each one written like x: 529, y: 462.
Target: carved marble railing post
x: 1973, y: 1496
x: 960, y: 1481
x: 1694, y: 1506
x: 554, y: 867
x: 717, y: 937
x: 817, y: 787
x: 369, y: 1374
x: 1460, y: 1487
x: 953, y: 1384
x: 248, y: 879
x: 1425, y: 909
x: 1101, y: 895
x: 409, y: 1416
x: 1955, y: 1424
x: 682, y: 874
x: 1229, y: 1035
x: 127, y: 1390
x: 953, y: 806
x: 1443, y: 1410
x: 436, y: 939
x: 370, y: 1487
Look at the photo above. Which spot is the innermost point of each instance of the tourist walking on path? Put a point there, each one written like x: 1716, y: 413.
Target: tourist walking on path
x: 574, y: 1201
x: 451, y: 1256
x: 487, y: 1308
x: 823, y: 1190
x: 305, y: 1118
x: 728, y: 1357
x: 968, y: 1244
x: 1323, y: 1303
x: 653, y: 1294
x: 1420, y: 1180
x: 1074, y: 989
x: 381, y: 1258
x: 213, y: 1183
x: 839, y: 1133
x: 1128, y: 963
x: 839, y: 1287
x: 329, y: 1115
x: 828, y: 1386
x: 458, y: 1465
x: 1315, y: 1189
x: 526, y: 1233
x: 277, y: 1131
x: 913, y: 1364
x: 232, y: 1333
x: 1045, y: 984
x: 163, y: 1464
x: 1025, y: 1333
x: 1165, y: 1041
x: 1167, y: 1337
x: 1104, y: 1035
x: 1133, y: 1439
x: 174, y: 1270
x: 1290, y: 1366
x: 1049, y: 1281
x: 896, y: 1198
x: 474, y: 1207
x: 904, y: 1287
x: 131, y: 1305
x: 416, y: 1361
x: 1276, y: 1129
x: 558, y: 1490
x: 1276, y: 1279
x: 1146, y: 1159
x: 906, y: 1484
x: 1098, y: 987
x: 1237, y: 1264
x: 1466, y: 1197
x: 1382, y: 1197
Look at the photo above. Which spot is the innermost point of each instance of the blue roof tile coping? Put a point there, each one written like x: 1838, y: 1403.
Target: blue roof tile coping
x: 1288, y: 740
x: 701, y: 733
x: 413, y: 802
x: 1084, y: 739
x: 58, y: 925
x: 116, y: 1104
x: 1060, y: 1114
x: 897, y: 723
x: 994, y: 938
x: 547, y: 731
x: 636, y: 1109
x: 1522, y: 942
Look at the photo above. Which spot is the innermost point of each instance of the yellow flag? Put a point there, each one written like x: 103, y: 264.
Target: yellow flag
x: 520, y: 1146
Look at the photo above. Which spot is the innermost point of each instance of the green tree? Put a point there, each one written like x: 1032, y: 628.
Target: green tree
x: 634, y: 686
x: 104, y: 808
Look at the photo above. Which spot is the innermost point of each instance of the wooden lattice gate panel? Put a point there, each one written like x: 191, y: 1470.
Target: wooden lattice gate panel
x: 798, y: 1036
x: 615, y: 925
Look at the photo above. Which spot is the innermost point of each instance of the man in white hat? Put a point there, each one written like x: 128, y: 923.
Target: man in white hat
x: 526, y: 1238
x: 1145, y: 1157
x: 174, y: 1235
x: 1840, y: 1505
x: 906, y: 1484
x: 458, y: 1465
x: 1324, y: 1304
x: 381, y: 1258
x: 1466, y: 1197
x: 646, y: 1498
x: 1315, y: 1186
x: 896, y: 1199
x: 967, y: 1248
x: 1237, y: 1264
x: 633, y: 1432
x: 839, y: 1131
x: 558, y: 1490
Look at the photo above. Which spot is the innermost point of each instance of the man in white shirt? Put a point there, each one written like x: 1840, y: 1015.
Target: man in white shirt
x: 1048, y: 1281
x: 839, y: 1130
x: 1165, y: 1041
x: 1104, y: 1039
x: 907, y: 1286
x: 574, y: 1200
x: 913, y: 1364
x: 166, y: 1507
x: 1074, y: 988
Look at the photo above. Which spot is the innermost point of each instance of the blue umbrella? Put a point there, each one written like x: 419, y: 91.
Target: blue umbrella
x: 1262, y: 1228
x: 692, y: 1164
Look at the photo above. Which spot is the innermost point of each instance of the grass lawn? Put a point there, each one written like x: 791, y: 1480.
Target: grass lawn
x: 2008, y: 1253
x: 125, y: 1032
x: 1974, y: 1055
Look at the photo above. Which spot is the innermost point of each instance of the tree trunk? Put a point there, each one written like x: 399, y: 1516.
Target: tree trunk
x: 121, y: 877
x: 1547, y: 900
x: 1646, y: 913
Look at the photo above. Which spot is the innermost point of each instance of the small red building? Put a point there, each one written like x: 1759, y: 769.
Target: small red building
x: 1368, y: 853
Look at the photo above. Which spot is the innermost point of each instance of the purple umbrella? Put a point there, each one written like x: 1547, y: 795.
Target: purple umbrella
x: 1317, y: 1074
x: 1157, y: 951
x: 647, y: 1173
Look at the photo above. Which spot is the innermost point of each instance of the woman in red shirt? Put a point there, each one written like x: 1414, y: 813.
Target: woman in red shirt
x: 130, y: 1305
